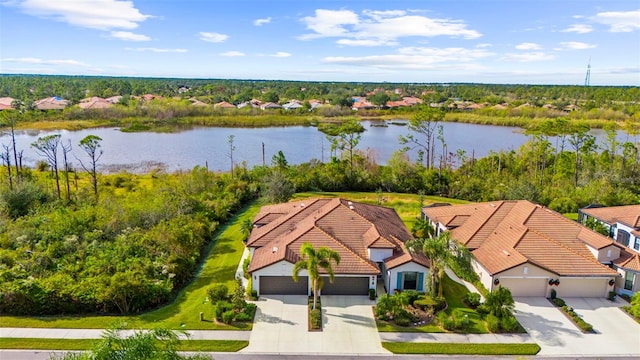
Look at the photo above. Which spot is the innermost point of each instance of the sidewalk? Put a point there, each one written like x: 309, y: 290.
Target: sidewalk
x: 47, y: 333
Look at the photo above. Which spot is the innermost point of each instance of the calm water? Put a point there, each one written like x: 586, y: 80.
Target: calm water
x: 208, y: 146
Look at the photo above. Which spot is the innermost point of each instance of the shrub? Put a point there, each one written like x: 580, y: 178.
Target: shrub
x: 553, y: 294
x: 559, y: 302
x: 482, y: 309
x: 402, y: 321
x: 243, y: 317
x: 408, y: 297
x: 634, y: 305
x: 583, y: 325
x: 493, y: 323
x: 228, y: 316
x: 221, y: 308
x: 218, y: 292
x: 245, y: 267
x: 472, y: 299
x: 425, y: 302
x: 372, y: 294
x: 237, y: 298
x: 250, y: 310
x: 254, y: 295
x: 445, y: 321
x: 509, y: 324
x: 316, y: 318
x: 460, y: 319
x: 387, y: 306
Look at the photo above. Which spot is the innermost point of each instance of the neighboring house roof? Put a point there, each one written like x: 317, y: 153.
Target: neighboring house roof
x: 114, y: 99
x: 270, y: 105
x: 94, y: 103
x: 347, y: 227
x: 51, y: 103
x: 224, y: 105
x: 292, y: 105
x: 6, y: 101
x: 628, y: 215
x: 362, y: 105
x: 628, y: 260
x: 505, y: 234
x: 500, y: 106
x: 196, y: 102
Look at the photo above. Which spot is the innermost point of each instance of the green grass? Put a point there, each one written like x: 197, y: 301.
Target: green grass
x: 461, y: 349
x: 87, y: 344
x: 184, y: 312
x: 572, y: 216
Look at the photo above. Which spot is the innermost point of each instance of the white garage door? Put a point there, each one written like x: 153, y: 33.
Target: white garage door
x: 525, y: 287
x: 582, y: 287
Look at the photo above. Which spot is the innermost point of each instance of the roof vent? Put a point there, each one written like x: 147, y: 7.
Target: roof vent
x: 274, y: 249
x: 301, y: 204
x: 351, y: 207
x: 506, y: 252
x: 349, y: 203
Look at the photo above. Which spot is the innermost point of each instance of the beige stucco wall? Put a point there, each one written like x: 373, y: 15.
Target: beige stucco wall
x: 392, y: 275
x: 612, y: 251
x: 535, y: 277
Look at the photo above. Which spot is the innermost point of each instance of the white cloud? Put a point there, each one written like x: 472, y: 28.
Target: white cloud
x: 158, y: 50
x: 281, y: 54
x: 260, y: 22
x: 232, y: 54
x: 374, y: 28
x: 213, y: 37
x: 619, y: 21
x: 95, y: 14
x: 366, y: 42
x: 129, y: 36
x: 579, y: 28
x: 30, y: 60
x: 484, y: 45
x: 418, y: 58
x: 528, y: 57
x: 575, y: 45
x: 329, y: 23
x: 528, y: 46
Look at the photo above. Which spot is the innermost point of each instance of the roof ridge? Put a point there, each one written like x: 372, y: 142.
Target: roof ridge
x: 368, y: 261
x: 502, y: 202
x: 280, y: 220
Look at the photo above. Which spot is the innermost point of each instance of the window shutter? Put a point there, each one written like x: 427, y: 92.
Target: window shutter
x: 420, y: 281
x: 399, y: 282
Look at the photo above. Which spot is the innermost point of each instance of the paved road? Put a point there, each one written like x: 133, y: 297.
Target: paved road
x: 46, y: 355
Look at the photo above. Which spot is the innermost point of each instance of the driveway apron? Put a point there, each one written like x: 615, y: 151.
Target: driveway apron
x: 281, y: 327
x: 557, y: 335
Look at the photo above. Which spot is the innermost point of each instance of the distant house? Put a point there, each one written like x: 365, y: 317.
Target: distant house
x: 570, y: 108
x: 196, y: 102
x: 530, y: 249
x: 270, y: 105
x: 150, y: 97
x: 411, y: 101
x: 623, y: 225
x: 397, y: 104
x: 502, y: 106
x: 370, y: 240
x: 549, y: 107
x: 360, y: 105
x: 6, y: 103
x: 114, y: 99
x: 94, y: 103
x: 224, y: 105
x: 51, y: 103
x: 523, y: 106
x: 292, y: 105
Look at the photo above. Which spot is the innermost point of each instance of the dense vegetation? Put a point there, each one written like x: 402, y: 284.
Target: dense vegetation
x: 126, y: 253
x: 594, y: 105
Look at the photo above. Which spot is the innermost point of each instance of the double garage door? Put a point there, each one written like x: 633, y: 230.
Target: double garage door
x: 284, y: 285
x: 568, y: 287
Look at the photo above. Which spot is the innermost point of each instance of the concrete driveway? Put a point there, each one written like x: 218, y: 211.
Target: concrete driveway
x: 281, y: 327
x: 617, y: 334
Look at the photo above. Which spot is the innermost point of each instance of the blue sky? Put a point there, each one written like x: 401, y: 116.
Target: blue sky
x: 497, y: 41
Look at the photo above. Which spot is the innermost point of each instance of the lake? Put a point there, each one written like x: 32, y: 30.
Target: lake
x: 139, y: 152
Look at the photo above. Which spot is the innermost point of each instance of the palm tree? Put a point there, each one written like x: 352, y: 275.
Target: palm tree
x: 313, y: 260
x: 245, y: 228
x: 500, y: 302
x: 442, y: 251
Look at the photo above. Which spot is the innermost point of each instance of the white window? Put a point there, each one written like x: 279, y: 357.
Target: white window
x: 609, y: 253
x: 525, y: 270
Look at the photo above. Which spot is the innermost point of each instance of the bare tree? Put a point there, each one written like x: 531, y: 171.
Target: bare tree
x: 66, y: 149
x: 232, y: 148
x: 91, y: 145
x: 6, y: 159
x: 48, y: 147
x: 424, y: 124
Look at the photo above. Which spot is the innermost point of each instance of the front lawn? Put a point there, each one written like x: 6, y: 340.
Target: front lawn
x: 461, y: 348
x: 87, y: 344
x: 184, y: 312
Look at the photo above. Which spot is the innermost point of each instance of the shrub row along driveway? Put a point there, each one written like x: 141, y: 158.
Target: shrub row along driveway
x: 616, y: 333
x: 281, y: 324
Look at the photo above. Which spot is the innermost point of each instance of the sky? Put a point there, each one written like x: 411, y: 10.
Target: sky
x: 426, y: 41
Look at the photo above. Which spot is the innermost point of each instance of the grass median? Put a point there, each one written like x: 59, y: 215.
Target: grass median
x: 88, y: 344
x: 461, y: 348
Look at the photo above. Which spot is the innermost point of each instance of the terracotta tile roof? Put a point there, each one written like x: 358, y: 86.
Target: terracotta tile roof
x: 628, y: 215
x: 628, y: 260
x: 347, y: 227
x: 6, y: 101
x: 504, y: 234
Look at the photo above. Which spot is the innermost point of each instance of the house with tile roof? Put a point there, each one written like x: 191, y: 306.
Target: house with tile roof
x: 530, y: 249
x: 370, y: 240
x: 6, y: 103
x: 623, y: 224
x: 51, y: 103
